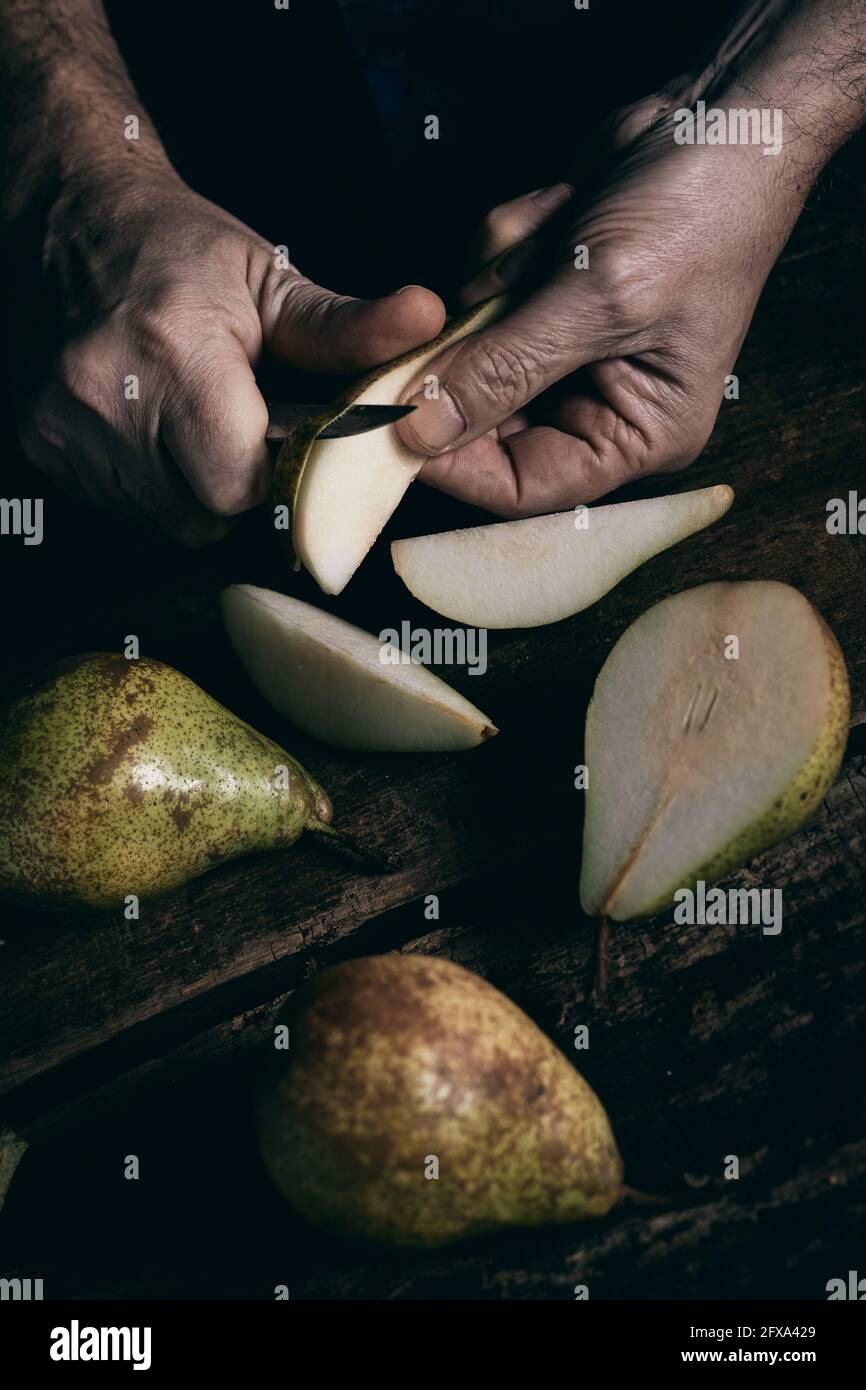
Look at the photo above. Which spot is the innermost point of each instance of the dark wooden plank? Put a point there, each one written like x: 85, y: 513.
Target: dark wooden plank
x: 714, y: 1041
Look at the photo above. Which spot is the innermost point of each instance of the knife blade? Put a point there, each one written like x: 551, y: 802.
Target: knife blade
x: 358, y: 419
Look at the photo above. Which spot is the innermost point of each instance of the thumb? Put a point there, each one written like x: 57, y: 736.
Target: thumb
x: 492, y: 374
x: 315, y: 330
x: 213, y: 426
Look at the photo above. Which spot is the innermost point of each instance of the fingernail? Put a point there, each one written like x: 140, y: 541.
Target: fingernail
x: 553, y: 196
x: 404, y: 288
x: 436, y: 423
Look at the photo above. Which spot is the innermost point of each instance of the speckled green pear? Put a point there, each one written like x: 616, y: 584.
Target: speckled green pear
x: 400, y: 1066
x: 123, y: 777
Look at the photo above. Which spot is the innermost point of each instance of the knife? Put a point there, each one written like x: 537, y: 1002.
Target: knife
x: 358, y: 419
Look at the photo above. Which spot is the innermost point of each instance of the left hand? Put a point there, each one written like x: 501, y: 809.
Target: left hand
x: 625, y: 361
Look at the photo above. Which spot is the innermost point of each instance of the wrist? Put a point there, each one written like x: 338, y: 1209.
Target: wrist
x: 65, y: 132
x: 802, y: 64
x: 86, y: 178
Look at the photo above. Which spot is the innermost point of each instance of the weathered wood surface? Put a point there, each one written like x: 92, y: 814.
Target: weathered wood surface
x: 120, y: 1037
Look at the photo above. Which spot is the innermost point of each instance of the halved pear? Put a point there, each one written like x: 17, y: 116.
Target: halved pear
x: 528, y: 573
x: 327, y: 677
x: 702, y: 751
x: 341, y: 492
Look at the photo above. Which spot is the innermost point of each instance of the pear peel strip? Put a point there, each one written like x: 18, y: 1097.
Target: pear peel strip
x: 295, y: 452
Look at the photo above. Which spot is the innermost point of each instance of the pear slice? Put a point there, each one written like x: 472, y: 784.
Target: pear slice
x: 528, y: 573
x: 326, y: 676
x: 341, y: 492
x: 698, y: 760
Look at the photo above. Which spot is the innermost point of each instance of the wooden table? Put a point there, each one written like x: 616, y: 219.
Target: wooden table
x: 143, y: 1037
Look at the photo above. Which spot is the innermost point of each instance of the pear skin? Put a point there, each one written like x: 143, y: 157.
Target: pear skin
x: 123, y: 777
x: 333, y: 526
x: 326, y: 676
x: 396, y: 1061
x: 700, y: 759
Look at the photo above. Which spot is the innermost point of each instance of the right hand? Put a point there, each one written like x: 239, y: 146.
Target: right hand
x: 151, y: 281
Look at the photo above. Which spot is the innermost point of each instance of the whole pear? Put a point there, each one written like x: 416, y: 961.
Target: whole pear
x: 402, y: 1066
x: 123, y: 777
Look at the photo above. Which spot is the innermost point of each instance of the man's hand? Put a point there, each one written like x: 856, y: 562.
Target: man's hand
x: 152, y: 282
x: 623, y: 363
x: 139, y: 310
x: 625, y: 360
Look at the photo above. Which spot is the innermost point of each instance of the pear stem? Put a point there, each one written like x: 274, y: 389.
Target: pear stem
x: 599, y: 971
x: 631, y: 1196
x: 372, y: 861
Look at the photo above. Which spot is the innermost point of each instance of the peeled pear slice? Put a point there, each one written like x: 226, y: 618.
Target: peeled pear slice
x: 326, y: 677
x: 699, y: 760
x: 341, y: 492
x: 528, y: 573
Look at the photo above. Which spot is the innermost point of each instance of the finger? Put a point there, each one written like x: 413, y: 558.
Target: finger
x: 533, y: 471
x: 509, y: 223
x: 164, y: 500
x: 659, y: 421
x: 147, y: 493
x: 509, y: 242
x: 316, y: 330
x: 494, y: 373
x: 617, y: 131
x: 213, y: 426
x: 513, y: 425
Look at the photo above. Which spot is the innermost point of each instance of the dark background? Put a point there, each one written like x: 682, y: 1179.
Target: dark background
x: 145, y: 1038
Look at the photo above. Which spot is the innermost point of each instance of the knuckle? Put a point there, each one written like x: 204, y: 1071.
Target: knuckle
x: 43, y: 424
x: 87, y: 375
x: 226, y: 496
x: 300, y: 298
x: 230, y: 430
x: 160, y: 330
x: 629, y: 123
x: 502, y: 223
x: 622, y: 449
x: 508, y: 373
x: 682, y: 449
x: 626, y: 287
x: 625, y: 296
x: 35, y: 431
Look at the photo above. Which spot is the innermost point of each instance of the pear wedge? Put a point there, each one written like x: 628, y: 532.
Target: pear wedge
x: 341, y: 492
x: 327, y: 677
x: 700, y: 759
x: 529, y: 573
x: 400, y: 1062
